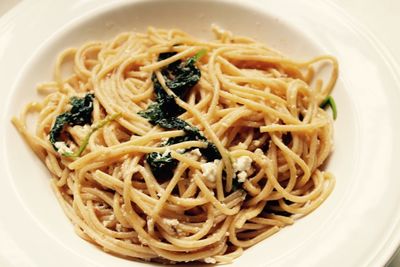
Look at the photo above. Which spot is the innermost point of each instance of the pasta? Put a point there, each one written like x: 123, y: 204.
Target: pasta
x: 163, y: 147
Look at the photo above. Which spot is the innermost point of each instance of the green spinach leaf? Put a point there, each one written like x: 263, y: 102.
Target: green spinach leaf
x: 80, y: 114
x: 162, y: 165
x: 179, y: 76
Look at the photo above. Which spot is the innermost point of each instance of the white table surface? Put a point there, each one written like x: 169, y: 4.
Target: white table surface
x: 381, y: 17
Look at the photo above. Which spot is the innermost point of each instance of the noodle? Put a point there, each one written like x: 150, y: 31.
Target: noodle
x: 246, y: 162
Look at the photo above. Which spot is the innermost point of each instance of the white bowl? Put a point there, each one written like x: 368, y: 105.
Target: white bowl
x: 349, y: 229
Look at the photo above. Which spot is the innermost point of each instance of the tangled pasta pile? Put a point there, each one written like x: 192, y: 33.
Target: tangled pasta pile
x: 167, y: 148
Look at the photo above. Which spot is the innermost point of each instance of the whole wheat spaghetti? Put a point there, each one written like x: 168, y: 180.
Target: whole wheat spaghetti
x: 167, y: 148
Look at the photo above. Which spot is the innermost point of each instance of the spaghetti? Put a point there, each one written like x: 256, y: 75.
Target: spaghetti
x: 166, y: 148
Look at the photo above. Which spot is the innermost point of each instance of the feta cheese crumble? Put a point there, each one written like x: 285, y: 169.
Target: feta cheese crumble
x: 241, y: 166
x: 258, y: 151
x: 210, y: 260
x: 209, y: 170
x: 242, y: 176
x: 194, y: 154
x: 171, y: 222
x: 242, y: 163
x: 166, y: 152
x: 62, y: 148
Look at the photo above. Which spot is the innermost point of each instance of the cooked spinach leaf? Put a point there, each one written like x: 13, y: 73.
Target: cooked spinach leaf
x: 179, y: 76
x: 58, y: 127
x: 80, y: 114
x: 235, y: 184
x: 162, y: 165
x: 81, y: 111
x: 166, y: 102
x: 210, y: 152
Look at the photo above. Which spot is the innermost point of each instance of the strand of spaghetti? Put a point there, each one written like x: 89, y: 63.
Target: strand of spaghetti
x: 113, y: 183
x: 34, y: 142
x: 205, y: 228
x: 220, y: 206
x: 171, y: 185
x: 229, y: 257
x: 165, y: 62
x: 57, y: 70
x: 182, y: 200
x: 186, y: 257
x: 83, y: 211
x: 103, y: 240
x: 259, y: 107
x: 214, y: 238
x: 246, y: 90
x: 316, y: 202
x: 295, y: 157
x: 113, y: 152
x: 100, y: 194
x: 214, y: 80
x: 279, y: 60
x: 190, y: 162
x: 133, y: 218
x: 247, y: 214
x: 293, y: 128
x: 248, y: 243
x: 79, y: 59
x: 291, y: 196
x: 101, y: 228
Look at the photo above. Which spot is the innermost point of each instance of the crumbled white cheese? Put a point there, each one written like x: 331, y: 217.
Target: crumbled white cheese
x: 242, y: 163
x: 242, y: 176
x: 171, y: 222
x: 159, y: 194
x: 241, y: 166
x: 166, y: 152
x: 62, y: 148
x: 180, y: 150
x: 194, y: 154
x: 258, y: 151
x: 209, y: 170
x: 210, y: 260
